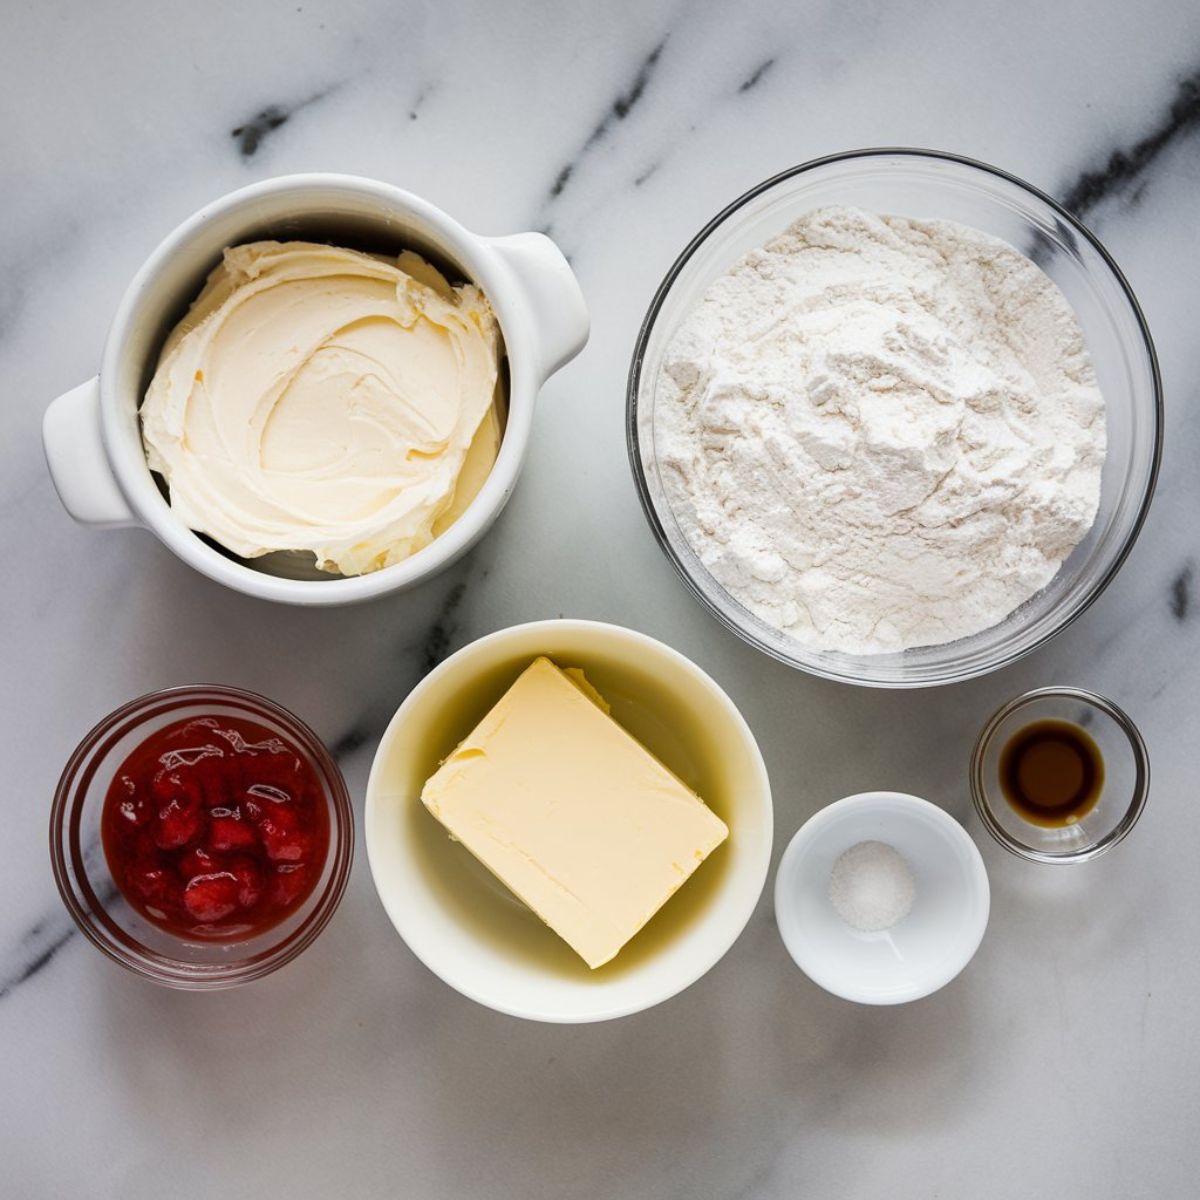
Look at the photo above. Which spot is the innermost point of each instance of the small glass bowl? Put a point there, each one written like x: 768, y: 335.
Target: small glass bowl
x: 90, y: 893
x: 1123, y: 793
x: 932, y: 185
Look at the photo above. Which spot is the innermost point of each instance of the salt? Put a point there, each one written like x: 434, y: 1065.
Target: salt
x: 871, y: 886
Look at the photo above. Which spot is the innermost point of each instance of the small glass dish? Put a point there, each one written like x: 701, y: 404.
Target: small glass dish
x: 1123, y: 792
x: 931, y: 185
x: 87, y: 886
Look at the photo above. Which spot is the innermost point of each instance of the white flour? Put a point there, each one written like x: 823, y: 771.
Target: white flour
x: 879, y: 433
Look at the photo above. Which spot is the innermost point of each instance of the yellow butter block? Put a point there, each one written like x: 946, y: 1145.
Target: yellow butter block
x: 571, y: 812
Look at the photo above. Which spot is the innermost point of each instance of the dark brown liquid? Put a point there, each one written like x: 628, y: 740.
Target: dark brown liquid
x: 1052, y: 773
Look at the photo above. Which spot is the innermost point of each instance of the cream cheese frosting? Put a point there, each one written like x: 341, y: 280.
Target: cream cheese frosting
x: 325, y: 400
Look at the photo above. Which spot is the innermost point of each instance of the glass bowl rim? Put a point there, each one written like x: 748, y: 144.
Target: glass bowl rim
x: 1141, y: 784
x: 161, y: 968
x: 946, y: 674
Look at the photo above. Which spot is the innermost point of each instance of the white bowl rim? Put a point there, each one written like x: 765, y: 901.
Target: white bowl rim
x: 756, y: 871
x: 813, y: 828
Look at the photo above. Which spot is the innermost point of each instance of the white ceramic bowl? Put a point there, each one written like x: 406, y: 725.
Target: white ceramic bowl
x: 91, y: 434
x: 467, y: 927
x: 920, y: 953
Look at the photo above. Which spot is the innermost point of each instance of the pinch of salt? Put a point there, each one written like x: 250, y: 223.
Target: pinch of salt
x: 871, y: 886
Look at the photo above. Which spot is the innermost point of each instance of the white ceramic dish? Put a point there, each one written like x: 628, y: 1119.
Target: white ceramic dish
x: 919, y: 954
x: 91, y: 435
x: 466, y: 927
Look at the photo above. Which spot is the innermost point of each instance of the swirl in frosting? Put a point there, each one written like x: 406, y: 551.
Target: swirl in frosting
x: 324, y: 400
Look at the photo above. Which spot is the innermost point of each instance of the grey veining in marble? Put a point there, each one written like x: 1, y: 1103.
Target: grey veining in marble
x: 1065, y: 1061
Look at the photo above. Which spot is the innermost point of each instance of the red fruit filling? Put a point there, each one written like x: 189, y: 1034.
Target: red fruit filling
x: 216, y: 828
x: 229, y: 833
x: 211, y: 898
x: 289, y: 883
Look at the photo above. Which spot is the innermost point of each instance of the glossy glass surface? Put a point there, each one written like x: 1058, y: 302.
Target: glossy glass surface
x: 81, y: 869
x: 930, y: 185
x: 1122, y: 797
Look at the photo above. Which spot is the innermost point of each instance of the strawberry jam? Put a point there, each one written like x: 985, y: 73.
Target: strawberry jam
x: 215, y: 828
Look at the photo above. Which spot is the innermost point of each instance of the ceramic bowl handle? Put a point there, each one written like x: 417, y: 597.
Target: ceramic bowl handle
x: 551, y: 293
x: 78, y: 461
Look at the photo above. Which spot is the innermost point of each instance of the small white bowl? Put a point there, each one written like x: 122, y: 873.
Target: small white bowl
x: 467, y: 927
x: 920, y: 953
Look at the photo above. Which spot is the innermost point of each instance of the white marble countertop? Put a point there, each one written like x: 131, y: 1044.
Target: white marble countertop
x: 1064, y: 1062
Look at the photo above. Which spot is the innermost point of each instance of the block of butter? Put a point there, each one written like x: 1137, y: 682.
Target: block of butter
x: 570, y: 811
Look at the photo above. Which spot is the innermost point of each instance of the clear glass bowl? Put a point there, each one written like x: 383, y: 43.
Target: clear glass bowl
x: 931, y: 185
x: 91, y: 895
x: 1123, y: 792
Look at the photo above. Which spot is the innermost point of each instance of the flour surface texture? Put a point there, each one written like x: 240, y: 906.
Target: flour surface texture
x: 879, y: 433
